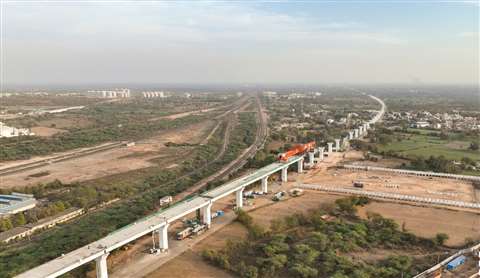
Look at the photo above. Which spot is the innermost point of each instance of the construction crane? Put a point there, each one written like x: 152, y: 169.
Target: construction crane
x: 297, y: 150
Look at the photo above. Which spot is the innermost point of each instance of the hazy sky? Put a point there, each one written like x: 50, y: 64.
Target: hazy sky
x: 240, y: 42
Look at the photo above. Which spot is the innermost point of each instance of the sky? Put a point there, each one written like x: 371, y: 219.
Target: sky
x: 239, y: 42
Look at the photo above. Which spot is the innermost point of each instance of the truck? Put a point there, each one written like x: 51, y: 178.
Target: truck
x: 456, y: 262
x: 358, y: 184
x: 218, y: 213
x: 199, y: 229
x: 184, y: 233
x: 165, y: 200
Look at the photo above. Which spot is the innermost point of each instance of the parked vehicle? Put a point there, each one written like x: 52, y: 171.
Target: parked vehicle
x: 456, y: 262
x: 295, y: 192
x: 279, y: 196
x: 358, y: 184
x: 199, y: 229
x: 184, y: 233
x: 218, y: 213
x: 165, y: 200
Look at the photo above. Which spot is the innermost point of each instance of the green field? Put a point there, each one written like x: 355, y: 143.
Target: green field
x: 424, y: 145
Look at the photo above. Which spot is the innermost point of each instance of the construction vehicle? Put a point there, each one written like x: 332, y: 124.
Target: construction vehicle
x: 184, y: 233
x: 296, y: 150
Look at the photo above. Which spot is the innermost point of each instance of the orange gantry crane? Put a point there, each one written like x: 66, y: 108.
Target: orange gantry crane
x: 296, y: 150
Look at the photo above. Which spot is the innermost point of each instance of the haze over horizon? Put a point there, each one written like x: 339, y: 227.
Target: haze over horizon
x: 240, y: 42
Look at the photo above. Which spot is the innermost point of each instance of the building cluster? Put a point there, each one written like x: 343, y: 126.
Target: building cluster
x: 9, y: 131
x: 15, y: 203
x: 425, y: 119
x: 117, y: 93
x: 154, y: 94
x: 272, y: 94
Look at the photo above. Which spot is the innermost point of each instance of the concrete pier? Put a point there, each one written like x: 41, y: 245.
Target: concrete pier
x: 101, y: 262
x: 207, y: 215
x: 337, y: 145
x: 300, y: 166
x: 330, y: 147
x: 320, y: 153
x: 355, y: 133
x: 285, y: 174
x: 311, y: 157
x: 265, y: 185
x: 239, y: 197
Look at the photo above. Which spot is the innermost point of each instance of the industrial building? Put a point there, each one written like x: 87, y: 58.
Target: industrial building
x: 15, y: 203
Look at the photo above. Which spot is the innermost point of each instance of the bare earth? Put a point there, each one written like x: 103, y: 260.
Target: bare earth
x: 112, y: 161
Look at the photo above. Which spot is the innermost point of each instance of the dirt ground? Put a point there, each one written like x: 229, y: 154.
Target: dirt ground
x: 402, y: 184
x: 112, y: 161
x: 427, y: 221
x: 45, y: 131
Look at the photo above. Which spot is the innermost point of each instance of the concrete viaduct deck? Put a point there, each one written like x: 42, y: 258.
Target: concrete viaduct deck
x: 158, y: 222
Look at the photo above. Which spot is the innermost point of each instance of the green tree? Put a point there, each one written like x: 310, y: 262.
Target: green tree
x: 474, y: 146
x: 305, y: 254
x: 441, y: 238
x: 19, y: 219
x: 5, y: 224
x: 303, y: 271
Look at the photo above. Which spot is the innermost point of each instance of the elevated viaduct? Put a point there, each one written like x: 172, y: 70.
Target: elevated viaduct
x: 159, y: 222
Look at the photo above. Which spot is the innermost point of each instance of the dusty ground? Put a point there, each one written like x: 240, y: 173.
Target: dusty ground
x: 112, y: 161
x: 45, y: 131
x: 65, y: 122
x: 427, y: 222
x: 402, y: 184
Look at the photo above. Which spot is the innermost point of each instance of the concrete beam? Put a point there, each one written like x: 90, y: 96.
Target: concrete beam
x: 265, y: 184
x: 101, y: 262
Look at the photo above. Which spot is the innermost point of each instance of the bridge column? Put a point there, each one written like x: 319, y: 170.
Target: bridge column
x: 239, y: 197
x: 101, y: 262
x: 284, y: 174
x: 355, y: 131
x: 265, y: 184
x: 350, y: 135
x: 320, y: 153
x: 207, y: 215
x: 337, y: 145
x: 330, y: 147
x: 311, y: 157
x: 163, y: 238
x: 300, y: 166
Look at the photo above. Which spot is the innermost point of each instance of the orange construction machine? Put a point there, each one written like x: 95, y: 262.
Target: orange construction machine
x: 296, y: 150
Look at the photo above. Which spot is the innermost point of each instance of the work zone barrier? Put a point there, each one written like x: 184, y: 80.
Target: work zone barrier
x: 392, y: 196
x: 411, y: 172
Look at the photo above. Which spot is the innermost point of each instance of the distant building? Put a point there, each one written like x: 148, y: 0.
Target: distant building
x: 420, y: 124
x: 117, y: 93
x: 9, y: 131
x: 15, y: 203
x: 153, y: 94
